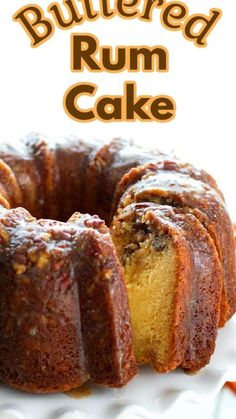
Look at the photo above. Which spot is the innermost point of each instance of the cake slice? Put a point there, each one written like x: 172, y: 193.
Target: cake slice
x: 174, y: 281
x: 179, y: 188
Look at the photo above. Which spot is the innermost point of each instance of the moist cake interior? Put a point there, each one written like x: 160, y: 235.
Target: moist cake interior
x: 150, y: 263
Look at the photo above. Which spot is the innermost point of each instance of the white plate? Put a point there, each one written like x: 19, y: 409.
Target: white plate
x: 148, y: 396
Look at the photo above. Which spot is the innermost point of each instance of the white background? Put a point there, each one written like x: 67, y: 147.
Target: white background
x: 201, y: 80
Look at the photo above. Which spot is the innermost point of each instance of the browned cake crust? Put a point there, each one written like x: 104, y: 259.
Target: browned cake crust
x: 62, y: 320
x: 198, y: 282
x: 183, y: 188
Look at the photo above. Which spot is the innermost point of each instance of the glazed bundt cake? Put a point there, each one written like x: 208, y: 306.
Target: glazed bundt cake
x: 81, y: 301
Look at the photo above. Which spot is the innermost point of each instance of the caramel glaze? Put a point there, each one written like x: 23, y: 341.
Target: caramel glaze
x: 64, y: 314
x: 170, y: 184
x: 79, y: 393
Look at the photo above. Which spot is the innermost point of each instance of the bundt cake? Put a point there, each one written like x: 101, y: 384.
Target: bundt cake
x: 81, y: 301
